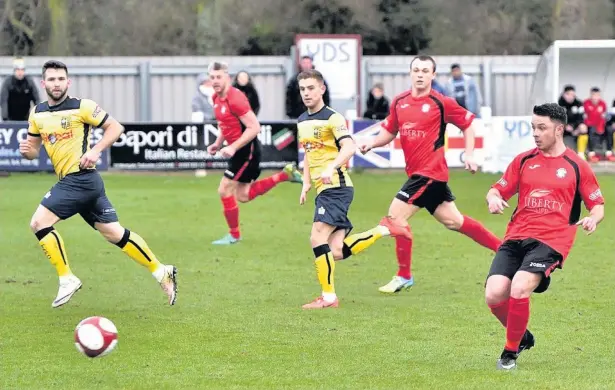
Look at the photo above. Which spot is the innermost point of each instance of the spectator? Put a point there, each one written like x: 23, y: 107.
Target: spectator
x: 18, y: 94
x: 243, y: 82
x: 202, y: 102
x: 464, y: 89
x: 575, y: 133
x: 595, y: 119
x: 294, y: 104
x: 377, y: 103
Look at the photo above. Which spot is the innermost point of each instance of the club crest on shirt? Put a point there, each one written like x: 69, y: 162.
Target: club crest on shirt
x: 425, y: 107
x: 65, y: 122
x: 318, y: 132
x: 561, y: 173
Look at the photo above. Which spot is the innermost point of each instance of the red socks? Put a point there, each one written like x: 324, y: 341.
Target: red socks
x: 231, y: 213
x: 516, y: 325
x: 263, y: 186
x: 403, y: 249
x: 476, y: 231
x: 500, y: 311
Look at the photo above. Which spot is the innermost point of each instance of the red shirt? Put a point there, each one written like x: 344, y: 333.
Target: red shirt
x: 550, y: 193
x: 421, y: 124
x: 228, y: 110
x: 595, y: 115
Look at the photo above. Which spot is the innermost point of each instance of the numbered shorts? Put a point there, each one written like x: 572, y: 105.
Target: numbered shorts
x: 425, y: 193
x: 332, y: 207
x: 81, y: 193
x: 244, y: 166
x: 526, y: 255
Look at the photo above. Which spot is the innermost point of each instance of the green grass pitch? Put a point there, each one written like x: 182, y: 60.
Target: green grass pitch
x: 238, y: 323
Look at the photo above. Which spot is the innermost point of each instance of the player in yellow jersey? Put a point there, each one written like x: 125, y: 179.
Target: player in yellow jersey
x: 63, y: 125
x: 328, y: 147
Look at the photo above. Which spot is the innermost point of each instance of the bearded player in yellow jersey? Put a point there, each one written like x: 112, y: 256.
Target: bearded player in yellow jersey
x: 63, y: 125
x: 328, y: 147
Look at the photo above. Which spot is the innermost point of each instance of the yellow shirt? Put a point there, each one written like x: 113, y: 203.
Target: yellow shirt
x: 320, y: 134
x: 65, y: 130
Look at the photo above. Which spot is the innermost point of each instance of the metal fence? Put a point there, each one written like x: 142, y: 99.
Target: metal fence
x: 161, y: 88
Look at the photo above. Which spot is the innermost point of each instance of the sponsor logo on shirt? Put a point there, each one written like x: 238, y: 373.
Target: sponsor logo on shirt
x: 538, y: 202
x: 595, y: 195
x: 52, y: 138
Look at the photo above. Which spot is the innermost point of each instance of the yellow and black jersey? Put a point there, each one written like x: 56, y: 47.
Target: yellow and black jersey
x: 320, y: 134
x: 65, y: 130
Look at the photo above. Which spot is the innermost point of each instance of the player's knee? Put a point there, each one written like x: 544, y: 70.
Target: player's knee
x: 337, y: 252
x: 242, y: 196
x: 36, y: 224
x: 452, y: 222
x: 495, y: 295
x: 225, y: 189
x: 521, y: 290
x: 112, y: 232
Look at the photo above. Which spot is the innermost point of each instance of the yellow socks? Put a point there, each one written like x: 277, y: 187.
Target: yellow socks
x: 134, y: 246
x: 582, y: 141
x: 53, y: 246
x: 359, y: 242
x: 325, y: 269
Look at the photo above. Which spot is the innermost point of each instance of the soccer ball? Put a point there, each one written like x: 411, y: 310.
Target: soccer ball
x: 95, y: 336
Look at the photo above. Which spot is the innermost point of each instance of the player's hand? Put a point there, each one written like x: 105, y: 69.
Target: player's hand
x: 365, y: 146
x: 228, y: 151
x: 26, y: 150
x: 326, y: 175
x: 588, y: 224
x: 497, y: 205
x: 471, y: 164
x: 306, y: 188
x: 212, y: 149
x: 89, y: 159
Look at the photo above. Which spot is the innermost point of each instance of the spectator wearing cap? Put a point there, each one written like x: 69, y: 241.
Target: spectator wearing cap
x: 464, y: 90
x: 575, y: 132
x: 18, y: 94
x: 294, y: 103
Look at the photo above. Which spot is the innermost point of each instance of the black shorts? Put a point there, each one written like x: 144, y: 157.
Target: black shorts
x: 332, y: 207
x: 526, y: 255
x: 425, y: 193
x: 244, y: 166
x: 81, y: 193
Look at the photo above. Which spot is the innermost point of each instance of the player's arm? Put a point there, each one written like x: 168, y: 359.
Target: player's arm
x: 464, y: 120
x: 347, y: 146
x: 593, y: 199
x: 240, y: 106
x: 31, y: 146
x: 307, y: 180
x: 505, y: 188
x: 93, y: 115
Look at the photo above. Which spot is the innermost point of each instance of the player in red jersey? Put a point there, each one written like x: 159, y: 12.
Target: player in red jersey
x: 420, y: 116
x: 551, y: 181
x: 239, y: 128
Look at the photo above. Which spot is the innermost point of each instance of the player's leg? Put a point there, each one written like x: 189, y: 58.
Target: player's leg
x: 230, y: 209
x: 533, y: 276
x: 447, y: 214
x: 505, y: 264
x: 330, y: 215
x: 101, y: 215
x: 610, y: 135
x: 582, y: 140
x: 61, y: 202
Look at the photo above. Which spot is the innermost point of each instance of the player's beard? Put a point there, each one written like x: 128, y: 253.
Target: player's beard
x: 56, y: 96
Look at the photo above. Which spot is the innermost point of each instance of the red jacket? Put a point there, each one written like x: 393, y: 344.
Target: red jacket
x: 595, y: 115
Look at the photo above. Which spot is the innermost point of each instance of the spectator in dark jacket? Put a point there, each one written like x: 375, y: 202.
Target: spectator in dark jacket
x: 294, y: 104
x: 377, y: 103
x: 17, y: 94
x: 243, y: 82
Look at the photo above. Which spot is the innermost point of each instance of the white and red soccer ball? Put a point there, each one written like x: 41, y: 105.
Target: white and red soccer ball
x: 95, y: 336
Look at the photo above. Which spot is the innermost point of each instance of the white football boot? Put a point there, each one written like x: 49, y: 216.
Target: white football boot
x: 69, y: 285
x: 169, y: 283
